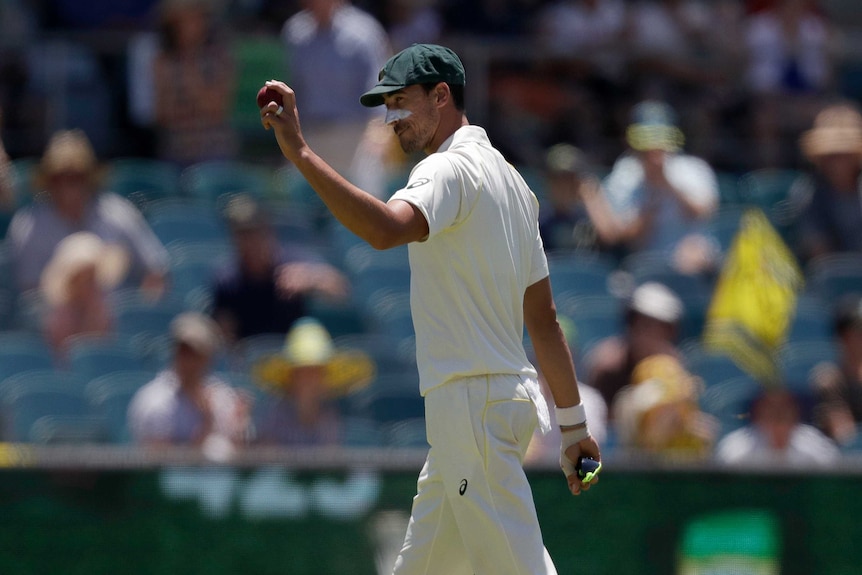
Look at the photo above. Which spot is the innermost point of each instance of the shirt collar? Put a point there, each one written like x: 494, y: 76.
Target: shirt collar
x: 464, y: 135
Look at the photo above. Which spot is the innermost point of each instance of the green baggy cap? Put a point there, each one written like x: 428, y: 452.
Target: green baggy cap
x: 418, y: 64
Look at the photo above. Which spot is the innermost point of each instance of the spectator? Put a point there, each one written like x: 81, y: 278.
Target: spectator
x: 652, y: 319
x: 194, y: 85
x: 351, y: 46
x: 658, y: 412
x: 267, y: 288
x: 579, y: 216
x: 71, y: 201
x: 185, y: 404
x: 75, y: 286
x: 776, y: 435
x: 839, y: 387
x: 660, y: 194
x: 305, y: 380
x: 790, y: 61
x: 831, y: 210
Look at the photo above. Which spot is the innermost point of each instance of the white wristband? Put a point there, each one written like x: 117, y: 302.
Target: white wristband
x: 569, y: 416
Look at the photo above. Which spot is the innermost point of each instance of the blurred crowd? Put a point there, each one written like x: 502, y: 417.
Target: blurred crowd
x: 167, y: 279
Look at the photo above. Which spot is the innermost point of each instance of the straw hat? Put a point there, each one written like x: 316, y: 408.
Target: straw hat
x: 79, y: 251
x: 654, y: 127
x: 837, y: 130
x: 68, y: 151
x: 309, y: 344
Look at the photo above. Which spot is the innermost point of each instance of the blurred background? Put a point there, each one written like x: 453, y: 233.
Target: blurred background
x: 193, y: 352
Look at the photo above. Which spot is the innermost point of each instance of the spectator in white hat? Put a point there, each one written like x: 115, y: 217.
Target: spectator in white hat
x: 75, y: 287
x: 652, y: 319
x: 185, y: 404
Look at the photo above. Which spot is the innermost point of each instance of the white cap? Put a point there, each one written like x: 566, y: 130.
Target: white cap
x: 657, y: 301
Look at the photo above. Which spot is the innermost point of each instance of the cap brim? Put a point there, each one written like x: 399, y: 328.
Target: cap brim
x: 374, y: 97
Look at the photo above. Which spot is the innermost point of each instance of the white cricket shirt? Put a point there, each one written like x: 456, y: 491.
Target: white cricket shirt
x: 469, y: 275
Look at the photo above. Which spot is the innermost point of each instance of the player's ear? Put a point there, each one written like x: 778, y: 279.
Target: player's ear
x: 441, y: 92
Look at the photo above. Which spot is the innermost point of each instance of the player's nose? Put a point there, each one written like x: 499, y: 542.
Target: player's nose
x: 395, y: 114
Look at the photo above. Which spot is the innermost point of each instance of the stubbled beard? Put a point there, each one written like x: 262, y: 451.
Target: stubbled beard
x: 410, y: 143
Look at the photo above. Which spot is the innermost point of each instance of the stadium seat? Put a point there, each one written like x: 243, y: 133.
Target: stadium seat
x: 361, y: 258
x: 812, y: 320
x: 185, y: 222
x: 730, y: 401
x: 595, y: 318
x: 580, y: 273
x: 391, y: 396
x: 291, y: 186
x: 90, y: 357
x: 143, y: 180
x: 28, y: 396
x: 710, y: 366
x: 108, y: 397
x: 386, y: 350
x: 250, y: 350
x: 387, y: 406
x: 146, y: 317
x: 376, y: 282
x: 22, y: 180
x: 388, y: 311
x: 767, y: 187
x: 772, y: 190
x: 214, y: 182
x: 834, y: 276
x: 724, y: 224
x: 339, y: 318
x: 362, y: 432
x: 59, y: 429
x: 728, y: 188
x: 294, y: 224
x: 22, y: 352
x: 655, y: 267
x: 797, y: 360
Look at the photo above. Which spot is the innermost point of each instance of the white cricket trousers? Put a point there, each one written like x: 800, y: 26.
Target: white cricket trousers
x: 473, y: 513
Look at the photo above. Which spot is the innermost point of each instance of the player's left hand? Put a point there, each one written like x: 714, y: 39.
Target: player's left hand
x: 571, y: 449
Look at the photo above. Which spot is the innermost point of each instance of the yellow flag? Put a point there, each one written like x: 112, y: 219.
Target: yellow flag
x: 755, y: 298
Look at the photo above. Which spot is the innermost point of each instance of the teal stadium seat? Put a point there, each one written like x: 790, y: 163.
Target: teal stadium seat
x: 28, y: 396
x: 143, y: 180
x: 834, y: 276
x: 76, y: 429
x: 184, y: 221
x: 595, y: 318
x: 580, y: 273
x: 108, y: 397
x: 90, y: 357
x: 798, y: 360
x: 214, y: 182
x: 730, y: 401
x: 22, y: 352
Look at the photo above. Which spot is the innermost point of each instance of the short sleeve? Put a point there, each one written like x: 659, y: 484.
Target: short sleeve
x: 538, y: 262
x: 435, y: 189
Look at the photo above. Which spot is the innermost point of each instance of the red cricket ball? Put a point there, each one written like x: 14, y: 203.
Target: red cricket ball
x: 267, y: 95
